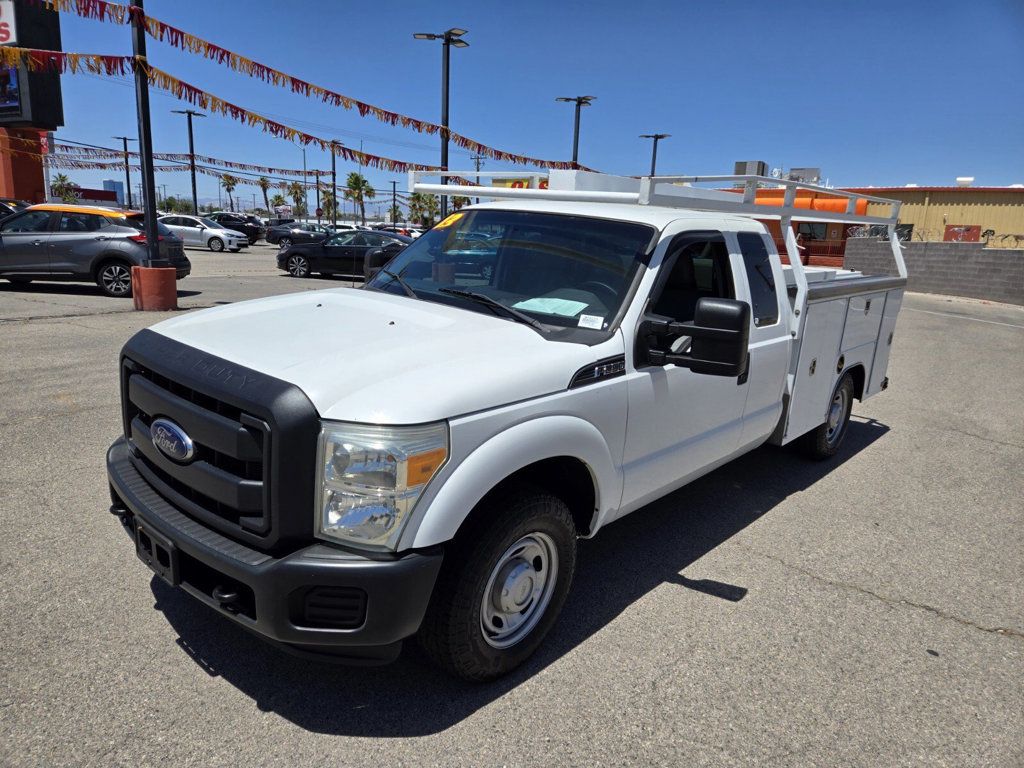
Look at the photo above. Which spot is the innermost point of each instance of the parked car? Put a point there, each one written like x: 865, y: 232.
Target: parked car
x: 74, y: 243
x: 11, y: 205
x: 412, y: 232
x: 250, y: 226
x: 336, y: 228
x: 286, y: 234
x: 201, y: 232
x: 339, y: 471
x: 346, y: 253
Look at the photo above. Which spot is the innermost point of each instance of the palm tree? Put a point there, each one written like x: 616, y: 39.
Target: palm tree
x: 297, y: 192
x: 62, y: 187
x: 358, y: 190
x: 229, y: 183
x: 277, y: 200
x: 458, y: 201
x: 328, y: 203
x: 264, y: 184
x: 395, y: 213
x: 431, y: 207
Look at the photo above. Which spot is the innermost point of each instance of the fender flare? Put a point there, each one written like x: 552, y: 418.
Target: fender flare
x: 507, y: 452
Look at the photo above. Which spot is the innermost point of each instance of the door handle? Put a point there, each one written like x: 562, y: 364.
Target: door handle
x: 101, y: 237
x: 37, y: 242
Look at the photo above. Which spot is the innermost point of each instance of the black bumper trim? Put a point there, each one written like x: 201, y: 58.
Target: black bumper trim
x: 398, y: 590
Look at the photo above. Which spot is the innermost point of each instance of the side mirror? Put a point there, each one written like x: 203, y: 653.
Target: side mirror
x: 719, y: 338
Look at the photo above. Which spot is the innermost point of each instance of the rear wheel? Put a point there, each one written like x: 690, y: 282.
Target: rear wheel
x: 502, y: 587
x: 216, y: 244
x: 298, y: 265
x: 285, y: 242
x: 115, y: 279
x: 823, y: 442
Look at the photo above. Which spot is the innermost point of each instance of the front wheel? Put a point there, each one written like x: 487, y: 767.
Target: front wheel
x: 298, y: 266
x: 823, y: 442
x: 216, y: 244
x: 502, y: 587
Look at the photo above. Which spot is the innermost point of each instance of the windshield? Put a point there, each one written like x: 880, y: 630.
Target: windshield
x: 564, y: 271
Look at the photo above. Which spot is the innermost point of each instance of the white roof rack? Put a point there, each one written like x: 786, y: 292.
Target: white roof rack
x: 663, y: 191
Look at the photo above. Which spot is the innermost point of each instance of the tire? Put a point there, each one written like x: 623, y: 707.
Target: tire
x: 823, y: 441
x: 234, y: 250
x: 468, y: 629
x: 115, y: 279
x: 284, y: 242
x: 215, y: 244
x: 297, y: 265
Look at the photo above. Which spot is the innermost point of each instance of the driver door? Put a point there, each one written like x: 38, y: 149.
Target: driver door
x: 681, y: 423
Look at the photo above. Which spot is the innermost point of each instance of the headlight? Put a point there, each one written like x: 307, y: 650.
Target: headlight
x: 370, y: 478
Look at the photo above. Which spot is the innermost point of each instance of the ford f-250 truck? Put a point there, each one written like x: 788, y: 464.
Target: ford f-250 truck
x: 343, y: 469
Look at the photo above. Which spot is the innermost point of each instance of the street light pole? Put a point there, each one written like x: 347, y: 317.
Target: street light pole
x: 654, y: 147
x: 452, y: 37
x: 580, y: 102
x: 145, y: 136
x: 127, y: 176
x: 190, y: 113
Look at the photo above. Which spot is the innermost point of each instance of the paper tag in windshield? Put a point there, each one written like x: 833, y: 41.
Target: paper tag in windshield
x: 552, y: 306
x: 449, y: 221
x: 591, y: 321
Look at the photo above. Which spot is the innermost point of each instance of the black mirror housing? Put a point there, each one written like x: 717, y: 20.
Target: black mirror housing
x: 720, y: 334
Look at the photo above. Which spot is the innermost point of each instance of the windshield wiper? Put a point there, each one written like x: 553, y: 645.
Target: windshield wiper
x: 398, y: 279
x: 482, y: 298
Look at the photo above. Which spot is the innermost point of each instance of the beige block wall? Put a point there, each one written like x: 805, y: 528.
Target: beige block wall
x: 931, y: 211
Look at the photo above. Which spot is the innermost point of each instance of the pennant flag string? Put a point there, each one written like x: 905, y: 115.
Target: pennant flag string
x: 178, y: 38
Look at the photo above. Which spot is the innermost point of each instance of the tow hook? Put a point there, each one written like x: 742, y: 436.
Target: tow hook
x: 227, y: 597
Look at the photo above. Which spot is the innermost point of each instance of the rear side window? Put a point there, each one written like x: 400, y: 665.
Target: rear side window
x: 763, y: 298
x: 32, y: 221
x: 82, y: 222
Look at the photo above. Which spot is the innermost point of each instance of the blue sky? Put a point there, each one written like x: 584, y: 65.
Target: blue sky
x: 872, y: 92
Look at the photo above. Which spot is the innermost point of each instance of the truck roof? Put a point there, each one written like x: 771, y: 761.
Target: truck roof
x: 652, y: 215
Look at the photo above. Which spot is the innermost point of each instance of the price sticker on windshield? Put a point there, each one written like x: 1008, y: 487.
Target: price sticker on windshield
x: 449, y: 221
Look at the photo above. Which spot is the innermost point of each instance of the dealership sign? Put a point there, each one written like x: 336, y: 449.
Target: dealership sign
x: 8, y: 29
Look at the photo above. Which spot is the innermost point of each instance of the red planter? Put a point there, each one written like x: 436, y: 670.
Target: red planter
x: 154, y: 288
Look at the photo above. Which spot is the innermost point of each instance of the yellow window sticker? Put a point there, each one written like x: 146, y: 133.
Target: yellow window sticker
x: 449, y: 221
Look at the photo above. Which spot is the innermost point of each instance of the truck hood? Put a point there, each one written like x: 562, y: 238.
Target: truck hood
x: 383, y: 359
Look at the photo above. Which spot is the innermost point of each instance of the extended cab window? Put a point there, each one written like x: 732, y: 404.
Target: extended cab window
x: 763, y: 298
x: 561, y: 271
x: 698, y: 268
x: 32, y: 221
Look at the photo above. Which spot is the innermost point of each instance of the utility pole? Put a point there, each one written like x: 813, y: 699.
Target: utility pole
x: 145, y: 137
x: 317, y: 195
x: 654, y: 147
x: 334, y: 184
x: 127, y: 177
x: 305, y: 186
x: 477, y: 162
x: 579, y: 101
x: 394, y: 201
x: 190, y: 113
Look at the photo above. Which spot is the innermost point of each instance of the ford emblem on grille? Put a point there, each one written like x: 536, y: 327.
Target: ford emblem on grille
x: 171, y: 440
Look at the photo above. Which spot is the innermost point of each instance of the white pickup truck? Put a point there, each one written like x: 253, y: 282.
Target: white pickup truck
x: 343, y: 469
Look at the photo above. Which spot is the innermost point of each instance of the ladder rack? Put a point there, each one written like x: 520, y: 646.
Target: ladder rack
x: 667, y: 192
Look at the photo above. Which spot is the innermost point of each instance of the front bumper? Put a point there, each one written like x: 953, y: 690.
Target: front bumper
x: 271, y: 595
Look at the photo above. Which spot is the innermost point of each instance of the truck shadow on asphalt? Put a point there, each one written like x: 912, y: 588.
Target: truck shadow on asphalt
x: 411, y: 698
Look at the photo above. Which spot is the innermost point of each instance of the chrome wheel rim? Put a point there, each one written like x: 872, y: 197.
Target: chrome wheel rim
x: 836, y: 412
x: 518, y: 590
x: 297, y: 266
x: 116, y: 279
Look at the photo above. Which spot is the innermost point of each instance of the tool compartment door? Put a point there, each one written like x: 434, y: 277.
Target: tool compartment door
x: 893, y: 302
x: 815, y: 374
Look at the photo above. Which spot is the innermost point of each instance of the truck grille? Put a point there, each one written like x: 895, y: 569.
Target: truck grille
x: 253, y: 470
x: 226, y: 483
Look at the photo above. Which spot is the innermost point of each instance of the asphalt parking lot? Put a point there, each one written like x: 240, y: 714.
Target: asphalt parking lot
x: 866, y: 611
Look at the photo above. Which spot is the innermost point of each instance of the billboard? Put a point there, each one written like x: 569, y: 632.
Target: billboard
x: 30, y: 99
